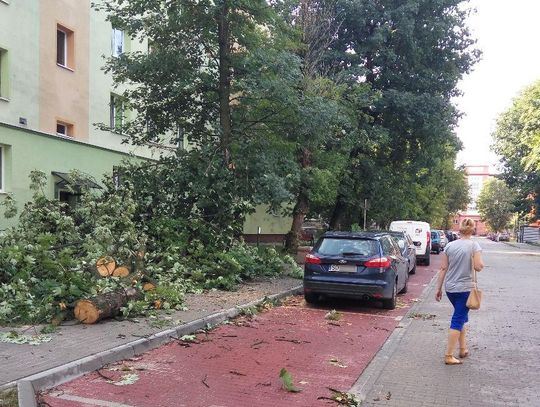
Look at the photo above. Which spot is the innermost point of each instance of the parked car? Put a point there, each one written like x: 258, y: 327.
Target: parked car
x: 420, y: 233
x: 363, y: 265
x: 407, y: 247
x: 451, y: 236
x: 504, y: 236
x: 435, y: 242
x: 444, y: 239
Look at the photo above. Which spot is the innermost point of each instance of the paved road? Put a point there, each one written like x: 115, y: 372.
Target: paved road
x: 238, y: 364
x: 504, y: 366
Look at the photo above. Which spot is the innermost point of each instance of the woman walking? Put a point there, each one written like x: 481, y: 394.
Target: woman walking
x: 456, y: 275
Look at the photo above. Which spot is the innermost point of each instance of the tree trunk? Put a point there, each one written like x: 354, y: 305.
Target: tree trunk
x: 104, y: 305
x: 302, y: 205
x: 299, y: 213
x: 225, y: 82
x: 338, y: 213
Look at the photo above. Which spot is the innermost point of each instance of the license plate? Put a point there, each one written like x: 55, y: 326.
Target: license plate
x: 347, y: 268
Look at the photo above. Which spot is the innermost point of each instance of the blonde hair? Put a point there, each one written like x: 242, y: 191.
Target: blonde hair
x: 467, y: 226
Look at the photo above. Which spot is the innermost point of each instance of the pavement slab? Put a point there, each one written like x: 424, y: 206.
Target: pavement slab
x: 504, y: 340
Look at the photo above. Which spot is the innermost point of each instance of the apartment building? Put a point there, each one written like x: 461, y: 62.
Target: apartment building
x: 477, y: 175
x: 53, y: 92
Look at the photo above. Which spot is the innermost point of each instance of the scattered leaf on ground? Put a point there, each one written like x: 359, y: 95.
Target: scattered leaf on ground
x: 342, y: 398
x: 188, y: 338
x: 417, y: 315
x: 19, y: 339
x: 287, y: 381
x: 333, y: 315
x: 126, y: 379
x: 338, y: 363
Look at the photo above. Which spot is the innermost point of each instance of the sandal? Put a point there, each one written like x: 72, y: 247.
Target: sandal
x: 451, y: 360
x: 463, y: 353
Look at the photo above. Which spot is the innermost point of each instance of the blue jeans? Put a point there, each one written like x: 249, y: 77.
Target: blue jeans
x: 461, y: 312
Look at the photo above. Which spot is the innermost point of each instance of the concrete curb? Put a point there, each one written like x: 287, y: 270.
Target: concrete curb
x: 373, y: 371
x: 29, y: 386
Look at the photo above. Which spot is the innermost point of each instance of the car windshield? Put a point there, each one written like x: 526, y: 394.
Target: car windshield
x: 434, y: 235
x: 348, y: 247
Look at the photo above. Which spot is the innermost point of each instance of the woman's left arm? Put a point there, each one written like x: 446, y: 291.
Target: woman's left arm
x: 442, y: 275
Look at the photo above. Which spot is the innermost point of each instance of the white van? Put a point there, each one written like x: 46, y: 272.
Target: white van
x: 420, y: 233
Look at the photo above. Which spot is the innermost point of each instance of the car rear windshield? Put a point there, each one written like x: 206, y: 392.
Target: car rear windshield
x: 348, y: 247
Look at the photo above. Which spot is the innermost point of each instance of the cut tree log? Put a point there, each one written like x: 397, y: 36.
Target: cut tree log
x: 105, y: 266
x: 148, y: 286
x: 103, y: 306
x: 121, y: 271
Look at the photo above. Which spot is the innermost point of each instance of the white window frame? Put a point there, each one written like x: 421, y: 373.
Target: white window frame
x: 65, y: 64
x: 65, y: 129
x: 4, y: 71
x: 118, y: 42
x: 117, y: 101
x: 2, y: 168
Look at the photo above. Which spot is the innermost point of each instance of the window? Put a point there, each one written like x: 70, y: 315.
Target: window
x: 117, y: 113
x: 64, y: 129
x: 388, y: 246
x: 1, y: 168
x: 3, y: 73
x: 65, y: 47
x: 117, y: 42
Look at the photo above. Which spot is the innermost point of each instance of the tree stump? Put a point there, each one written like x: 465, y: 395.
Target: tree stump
x: 103, y: 306
x: 105, y: 266
x: 121, y: 271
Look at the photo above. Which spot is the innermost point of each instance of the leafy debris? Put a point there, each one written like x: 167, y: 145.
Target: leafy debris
x: 20, y: 339
x: 333, y: 315
x: 338, y: 363
x: 342, y: 398
x: 287, y: 381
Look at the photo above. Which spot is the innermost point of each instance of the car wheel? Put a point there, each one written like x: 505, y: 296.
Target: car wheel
x: 311, y: 298
x: 437, y: 251
x: 413, y: 271
x: 427, y: 261
x: 391, y: 302
x: 405, y: 288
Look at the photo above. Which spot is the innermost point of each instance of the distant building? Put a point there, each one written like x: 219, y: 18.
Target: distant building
x: 477, y: 175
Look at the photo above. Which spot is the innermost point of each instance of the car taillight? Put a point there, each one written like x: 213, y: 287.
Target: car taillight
x: 428, y: 238
x: 312, y: 259
x: 379, y: 262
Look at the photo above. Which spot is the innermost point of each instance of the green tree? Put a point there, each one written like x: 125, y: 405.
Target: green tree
x: 411, y: 54
x: 495, y: 204
x: 517, y: 141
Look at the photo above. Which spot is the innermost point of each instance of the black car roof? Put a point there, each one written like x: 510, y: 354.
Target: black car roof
x: 356, y: 235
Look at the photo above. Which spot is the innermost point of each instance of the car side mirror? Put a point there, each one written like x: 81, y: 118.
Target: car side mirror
x: 417, y: 244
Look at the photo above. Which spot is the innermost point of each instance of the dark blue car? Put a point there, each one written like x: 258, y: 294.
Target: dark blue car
x: 363, y: 265
x: 436, y: 245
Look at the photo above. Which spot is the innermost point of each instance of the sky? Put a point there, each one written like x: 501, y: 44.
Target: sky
x: 507, y: 34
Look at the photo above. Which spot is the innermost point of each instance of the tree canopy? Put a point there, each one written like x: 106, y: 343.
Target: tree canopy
x: 517, y: 141
x: 495, y: 204
x: 310, y: 107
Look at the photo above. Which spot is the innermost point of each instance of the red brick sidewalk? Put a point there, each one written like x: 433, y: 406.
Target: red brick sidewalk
x: 238, y: 364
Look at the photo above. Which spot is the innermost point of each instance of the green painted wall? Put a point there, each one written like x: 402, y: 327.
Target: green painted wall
x: 27, y: 150
x: 270, y: 224
x: 101, y: 84
x: 19, y: 35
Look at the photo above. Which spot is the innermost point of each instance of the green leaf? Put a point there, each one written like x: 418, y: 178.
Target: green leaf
x: 287, y: 381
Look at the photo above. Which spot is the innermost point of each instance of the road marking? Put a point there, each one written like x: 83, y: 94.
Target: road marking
x: 512, y: 252
x: 92, y: 402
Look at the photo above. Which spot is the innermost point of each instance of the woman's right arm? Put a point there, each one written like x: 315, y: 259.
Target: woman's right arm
x: 478, y: 261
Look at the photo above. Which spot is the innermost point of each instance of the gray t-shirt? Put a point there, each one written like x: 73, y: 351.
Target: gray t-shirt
x: 459, y: 275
